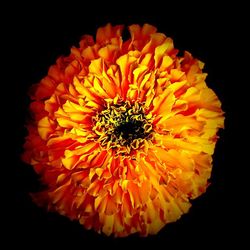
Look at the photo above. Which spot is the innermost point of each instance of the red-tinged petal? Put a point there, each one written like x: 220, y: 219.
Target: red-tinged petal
x: 95, y: 187
x: 37, y: 108
x: 52, y: 104
x: 112, y: 207
x: 140, y: 35
x: 105, y: 34
x: 118, y: 194
x: 44, y: 89
x: 86, y: 41
x: 148, y: 29
x: 59, y: 193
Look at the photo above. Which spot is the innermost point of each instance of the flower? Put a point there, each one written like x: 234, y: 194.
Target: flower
x: 123, y: 132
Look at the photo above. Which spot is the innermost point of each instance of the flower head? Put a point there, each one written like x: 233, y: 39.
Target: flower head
x: 123, y: 132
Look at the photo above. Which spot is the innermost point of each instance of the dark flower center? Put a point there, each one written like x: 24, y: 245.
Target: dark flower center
x: 123, y: 126
x: 130, y: 130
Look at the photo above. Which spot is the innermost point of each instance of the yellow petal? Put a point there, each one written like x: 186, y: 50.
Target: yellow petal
x: 45, y: 127
x: 70, y: 162
x: 177, y: 75
x: 167, y: 61
x: 162, y: 50
x: 118, y: 223
x: 98, y: 88
x: 71, y: 107
x: 96, y: 66
x: 108, y: 224
x: 147, y: 60
x: 139, y: 74
x: 67, y: 123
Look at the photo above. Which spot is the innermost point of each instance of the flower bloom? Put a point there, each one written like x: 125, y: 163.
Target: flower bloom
x: 123, y: 132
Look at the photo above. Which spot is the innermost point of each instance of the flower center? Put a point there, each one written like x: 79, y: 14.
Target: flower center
x: 123, y: 126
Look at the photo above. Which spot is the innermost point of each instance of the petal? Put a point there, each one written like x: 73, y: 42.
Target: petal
x: 86, y: 92
x: 44, y: 89
x: 90, y: 53
x: 106, y: 33
x: 140, y: 36
x: 167, y: 61
x: 96, y: 66
x: 125, y: 62
x: 144, y: 192
x: 109, y: 52
x: 163, y: 50
x: 163, y: 103
x: 45, y: 127
x: 108, y: 224
x: 99, y: 89
x: 156, y: 39
x: 190, y: 143
x: 178, y: 123
x: 94, y: 188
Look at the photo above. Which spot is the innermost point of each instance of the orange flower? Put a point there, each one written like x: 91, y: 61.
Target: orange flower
x: 123, y: 132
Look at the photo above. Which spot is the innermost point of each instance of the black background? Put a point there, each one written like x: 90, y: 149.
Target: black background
x: 36, y: 35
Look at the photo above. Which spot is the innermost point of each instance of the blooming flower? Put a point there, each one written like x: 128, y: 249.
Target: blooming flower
x: 123, y: 132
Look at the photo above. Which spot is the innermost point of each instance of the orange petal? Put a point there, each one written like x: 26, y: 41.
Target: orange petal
x: 106, y: 33
x: 109, y: 52
x: 163, y: 103
x: 125, y: 63
x: 178, y: 123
